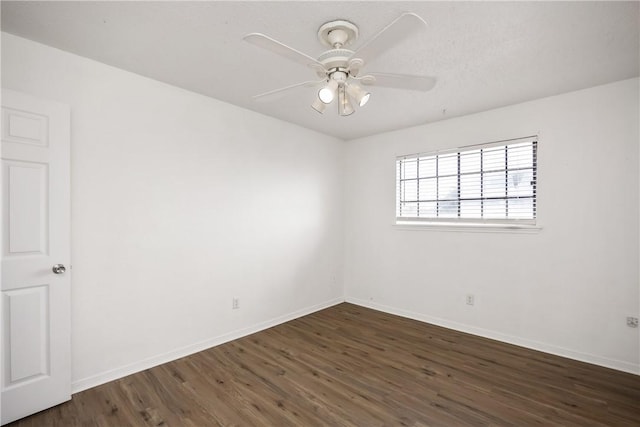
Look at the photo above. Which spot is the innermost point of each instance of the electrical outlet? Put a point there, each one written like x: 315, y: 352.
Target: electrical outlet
x: 632, y: 322
x: 471, y: 299
x: 235, y: 303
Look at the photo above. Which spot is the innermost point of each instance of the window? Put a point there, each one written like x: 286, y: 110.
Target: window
x: 484, y: 183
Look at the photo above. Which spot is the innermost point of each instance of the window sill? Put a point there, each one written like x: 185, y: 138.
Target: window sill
x: 467, y: 227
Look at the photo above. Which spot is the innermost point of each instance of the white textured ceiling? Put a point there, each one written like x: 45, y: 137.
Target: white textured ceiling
x: 484, y: 54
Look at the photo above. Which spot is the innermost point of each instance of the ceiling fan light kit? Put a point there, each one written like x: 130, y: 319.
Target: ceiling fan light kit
x: 339, y: 68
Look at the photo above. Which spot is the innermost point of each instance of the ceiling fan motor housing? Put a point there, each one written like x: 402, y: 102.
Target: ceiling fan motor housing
x: 335, y: 58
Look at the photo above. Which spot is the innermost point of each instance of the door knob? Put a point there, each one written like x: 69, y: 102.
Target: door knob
x: 59, y: 269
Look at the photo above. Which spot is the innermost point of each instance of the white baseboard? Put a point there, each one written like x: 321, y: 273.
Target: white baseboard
x: 123, y: 371
x: 522, y: 342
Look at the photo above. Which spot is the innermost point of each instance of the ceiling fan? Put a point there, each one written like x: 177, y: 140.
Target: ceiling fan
x: 339, y: 68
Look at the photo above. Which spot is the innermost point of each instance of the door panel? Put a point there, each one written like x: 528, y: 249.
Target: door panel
x: 27, y: 186
x: 36, y: 327
x: 23, y: 127
x: 27, y: 310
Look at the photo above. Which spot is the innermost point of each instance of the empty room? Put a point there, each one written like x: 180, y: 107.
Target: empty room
x: 290, y: 213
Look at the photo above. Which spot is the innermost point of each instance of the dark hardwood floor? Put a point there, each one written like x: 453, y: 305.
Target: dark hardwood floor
x: 349, y: 365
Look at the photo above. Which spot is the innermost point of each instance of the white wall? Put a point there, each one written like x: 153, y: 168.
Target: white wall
x: 179, y: 203
x: 566, y: 289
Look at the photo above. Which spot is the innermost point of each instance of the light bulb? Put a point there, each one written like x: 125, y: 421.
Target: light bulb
x: 327, y: 93
x: 360, y: 95
x: 364, y: 99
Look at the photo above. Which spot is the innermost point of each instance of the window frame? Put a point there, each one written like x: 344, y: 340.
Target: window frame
x: 473, y: 224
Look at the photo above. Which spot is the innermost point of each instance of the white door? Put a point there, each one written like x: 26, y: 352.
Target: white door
x: 36, y: 328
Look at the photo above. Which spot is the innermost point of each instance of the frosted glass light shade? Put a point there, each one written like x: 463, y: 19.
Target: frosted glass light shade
x: 318, y: 105
x: 344, y: 105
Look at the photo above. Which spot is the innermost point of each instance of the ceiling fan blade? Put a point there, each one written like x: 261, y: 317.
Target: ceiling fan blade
x: 399, y: 81
x: 266, y: 42
x: 401, y: 28
x: 278, y: 93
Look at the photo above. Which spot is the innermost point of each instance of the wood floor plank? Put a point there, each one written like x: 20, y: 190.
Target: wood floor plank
x: 352, y: 366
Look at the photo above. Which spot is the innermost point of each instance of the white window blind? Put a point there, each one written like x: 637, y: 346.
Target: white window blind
x: 483, y: 183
